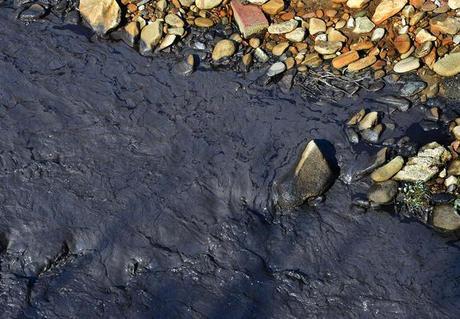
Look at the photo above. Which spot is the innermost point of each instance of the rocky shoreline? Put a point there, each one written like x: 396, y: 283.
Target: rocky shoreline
x: 346, y: 47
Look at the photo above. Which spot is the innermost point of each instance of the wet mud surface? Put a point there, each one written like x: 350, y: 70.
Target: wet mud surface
x: 128, y: 191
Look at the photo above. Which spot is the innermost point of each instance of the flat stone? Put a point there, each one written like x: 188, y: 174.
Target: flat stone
x: 363, y: 25
x: 454, y: 4
x: 222, y: 49
x: 276, y: 68
x: 388, y: 170
x: 310, y: 177
x: 334, y: 35
x: 174, y: 21
x: 34, y: 12
x: 425, y: 165
x: 283, y: 27
x: 273, y: 7
x: 407, y: 65
x: 131, y: 33
x: 280, y: 48
x: 387, y: 9
x: 345, y: 59
x: 249, y: 18
x: 296, y: 36
x: 207, y: 4
x: 101, y: 15
x: 368, y: 121
x: 444, y: 24
x: 167, y: 41
x: 424, y: 36
x: 378, y: 34
x: 203, y: 22
x: 316, y: 26
x: 448, y: 65
x: 383, y: 193
x: 356, y: 4
x: 445, y: 217
x: 362, y: 63
x: 327, y: 47
x: 150, y: 37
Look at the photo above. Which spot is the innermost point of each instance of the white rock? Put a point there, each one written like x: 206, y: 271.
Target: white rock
x: 407, y: 65
x: 454, y: 4
x: 283, y: 27
x: 207, y: 4
x: 296, y: 36
x: 378, y: 34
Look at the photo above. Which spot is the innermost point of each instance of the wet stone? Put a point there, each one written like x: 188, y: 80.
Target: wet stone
x: 383, y: 193
x: 275, y: 69
x: 412, y: 88
x: 392, y: 101
x: 446, y: 218
x: 442, y: 198
x: 34, y: 12
x: 310, y: 177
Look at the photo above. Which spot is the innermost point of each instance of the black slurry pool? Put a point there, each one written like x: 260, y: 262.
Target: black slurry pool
x: 128, y: 191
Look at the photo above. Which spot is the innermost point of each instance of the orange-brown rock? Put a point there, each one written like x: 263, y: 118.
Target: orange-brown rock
x: 273, y: 7
x: 345, y: 59
x: 362, y: 63
x: 387, y: 9
x: 402, y: 43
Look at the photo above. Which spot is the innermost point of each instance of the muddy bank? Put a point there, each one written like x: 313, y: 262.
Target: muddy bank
x: 129, y: 191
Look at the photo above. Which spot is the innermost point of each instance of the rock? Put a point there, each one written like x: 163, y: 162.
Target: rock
x: 445, y: 217
x: 130, y: 33
x: 167, y: 41
x: 316, y: 26
x: 444, y: 24
x: 372, y: 135
x: 407, y: 65
x: 378, y: 34
x: 397, y: 102
x: 362, y: 63
x: 327, y: 47
x: 249, y: 18
x: 280, y: 48
x: 363, y: 25
x: 423, y: 50
x: 387, y: 9
x: 425, y: 165
x: 334, y: 35
x: 150, y: 37
x: 442, y: 198
x: 345, y: 59
x: 34, y: 12
x: 454, y: 168
x: 383, y: 193
x: 402, y: 43
x: 283, y: 27
x: 451, y: 181
x: 412, y: 88
x: 352, y: 136
x: 449, y: 65
x: 388, y: 170
x: 368, y: 121
x: 276, y: 68
x: 311, y: 177
x: 101, y: 15
x: 454, y: 4
x: 186, y: 67
x: 424, y: 36
x: 296, y: 36
x: 356, y: 4
x: 273, y: 7
x: 258, y: 2
x: 207, y: 4
x: 356, y: 118
x: 261, y: 55
x: 174, y: 21
x: 223, y: 48
x: 456, y: 132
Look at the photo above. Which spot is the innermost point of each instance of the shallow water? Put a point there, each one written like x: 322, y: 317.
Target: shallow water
x: 127, y: 190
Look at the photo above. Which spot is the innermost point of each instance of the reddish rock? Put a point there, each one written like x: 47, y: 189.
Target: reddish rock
x: 250, y: 18
x: 402, y: 43
x: 345, y: 59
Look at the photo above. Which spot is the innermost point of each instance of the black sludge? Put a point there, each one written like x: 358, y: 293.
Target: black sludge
x: 128, y: 191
